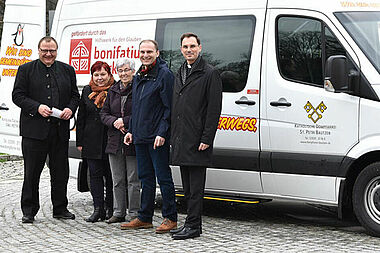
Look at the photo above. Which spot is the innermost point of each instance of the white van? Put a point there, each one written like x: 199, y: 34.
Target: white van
x: 301, y: 82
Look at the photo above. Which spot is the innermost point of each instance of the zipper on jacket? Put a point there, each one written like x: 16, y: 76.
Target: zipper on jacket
x: 142, y: 90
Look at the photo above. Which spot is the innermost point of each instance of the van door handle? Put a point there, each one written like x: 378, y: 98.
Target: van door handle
x: 280, y: 103
x: 245, y: 102
x: 4, y: 107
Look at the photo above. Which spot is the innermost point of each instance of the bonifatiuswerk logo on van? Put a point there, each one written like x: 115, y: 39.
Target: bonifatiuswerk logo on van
x: 315, y: 114
x: 80, y: 55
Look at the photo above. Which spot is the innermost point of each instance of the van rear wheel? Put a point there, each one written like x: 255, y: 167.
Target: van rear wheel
x: 366, y: 198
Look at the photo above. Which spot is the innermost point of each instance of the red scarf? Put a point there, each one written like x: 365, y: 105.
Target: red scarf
x: 146, y: 69
x: 99, y: 93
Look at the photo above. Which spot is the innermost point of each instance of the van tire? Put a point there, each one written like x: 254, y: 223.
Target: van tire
x: 366, y: 198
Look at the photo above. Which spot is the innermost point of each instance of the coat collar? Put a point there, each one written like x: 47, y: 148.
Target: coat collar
x: 198, y: 69
x: 116, y: 87
x: 153, y: 73
x: 42, y: 65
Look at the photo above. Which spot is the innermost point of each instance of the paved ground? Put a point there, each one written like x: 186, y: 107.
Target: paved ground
x: 269, y: 227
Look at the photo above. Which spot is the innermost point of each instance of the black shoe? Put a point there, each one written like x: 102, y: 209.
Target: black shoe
x: 109, y: 213
x: 66, y: 215
x: 186, y: 233
x: 27, y: 219
x: 115, y: 219
x: 177, y: 230
x: 98, y: 214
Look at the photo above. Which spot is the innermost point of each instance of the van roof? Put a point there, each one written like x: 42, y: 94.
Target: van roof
x: 88, y: 9
x: 327, y: 5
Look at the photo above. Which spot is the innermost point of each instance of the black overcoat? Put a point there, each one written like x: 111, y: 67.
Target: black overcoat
x: 110, y: 112
x: 195, y: 115
x: 32, y: 88
x: 91, y: 132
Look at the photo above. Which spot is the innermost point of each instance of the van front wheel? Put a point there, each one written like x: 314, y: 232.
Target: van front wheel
x: 366, y: 198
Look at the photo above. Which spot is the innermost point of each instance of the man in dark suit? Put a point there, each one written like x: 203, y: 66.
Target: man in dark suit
x: 40, y: 86
x: 197, y: 103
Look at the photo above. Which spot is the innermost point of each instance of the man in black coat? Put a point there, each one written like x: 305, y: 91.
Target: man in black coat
x: 41, y: 85
x: 197, y: 103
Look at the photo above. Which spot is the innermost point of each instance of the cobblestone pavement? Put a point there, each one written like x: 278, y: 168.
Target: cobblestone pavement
x: 268, y: 227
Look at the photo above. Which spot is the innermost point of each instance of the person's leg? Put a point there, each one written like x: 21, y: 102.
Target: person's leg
x: 117, y: 162
x: 185, y: 178
x: 148, y: 181
x: 59, y: 171
x: 34, y: 154
x: 96, y: 182
x: 197, y: 178
x: 160, y: 159
x: 109, y: 186
x: 134, y: 186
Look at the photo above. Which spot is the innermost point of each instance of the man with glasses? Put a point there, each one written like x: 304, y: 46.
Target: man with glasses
x: 197, y: 103
x: 40, y: 86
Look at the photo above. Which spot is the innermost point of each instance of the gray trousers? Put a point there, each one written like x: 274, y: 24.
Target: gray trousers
x: 124, y: 172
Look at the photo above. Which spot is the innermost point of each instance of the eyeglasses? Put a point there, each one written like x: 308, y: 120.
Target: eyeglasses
x: 123, y: 70
x: 45, y: 51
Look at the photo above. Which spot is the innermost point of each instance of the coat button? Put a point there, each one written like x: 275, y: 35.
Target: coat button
x: 180, y: 93
x: 47, y: 75
x: 48, y: 86
x: 48, y: 120
x: 48, y: 97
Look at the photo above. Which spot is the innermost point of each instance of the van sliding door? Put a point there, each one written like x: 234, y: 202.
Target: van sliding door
x: 231, y: 44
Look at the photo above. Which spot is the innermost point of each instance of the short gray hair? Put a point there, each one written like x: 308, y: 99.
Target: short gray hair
x: 125, y: 61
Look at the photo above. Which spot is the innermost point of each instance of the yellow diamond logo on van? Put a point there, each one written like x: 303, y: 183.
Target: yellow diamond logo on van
x: 315, y: 114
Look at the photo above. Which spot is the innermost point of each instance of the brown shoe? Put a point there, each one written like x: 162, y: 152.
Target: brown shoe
x: 136, y: 224
x: 166, y: 226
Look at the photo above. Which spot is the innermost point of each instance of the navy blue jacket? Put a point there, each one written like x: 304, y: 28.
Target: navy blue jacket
x: 151, y: 104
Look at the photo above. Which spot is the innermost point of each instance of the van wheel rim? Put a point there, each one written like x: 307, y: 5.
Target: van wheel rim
x: 372, y: 199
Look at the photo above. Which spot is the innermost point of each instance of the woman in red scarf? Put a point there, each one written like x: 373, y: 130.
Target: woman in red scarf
x: 91, y: 139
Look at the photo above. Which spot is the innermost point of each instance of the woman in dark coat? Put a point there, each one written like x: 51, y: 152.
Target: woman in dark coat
x: 91, y: 139
x: 115, y: 114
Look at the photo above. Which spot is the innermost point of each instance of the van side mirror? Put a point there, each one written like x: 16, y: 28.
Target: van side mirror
x: 338, y: 77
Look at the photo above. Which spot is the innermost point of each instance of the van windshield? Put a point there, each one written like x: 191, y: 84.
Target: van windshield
x: 364, y: 28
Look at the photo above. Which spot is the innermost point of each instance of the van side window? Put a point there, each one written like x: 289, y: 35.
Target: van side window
x: 226, y: 44
x: 303, y: 46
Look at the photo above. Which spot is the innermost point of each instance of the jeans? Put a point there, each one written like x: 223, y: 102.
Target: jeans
x: 154, y: 163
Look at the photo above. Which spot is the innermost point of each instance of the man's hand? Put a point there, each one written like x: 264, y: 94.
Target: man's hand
x: 66, y: 114
x: 203, y: 146
x: 44, y: 110
x: 118, y: 124
x: 128, y: 139
x: 79, y: 148
x: 159, y: 141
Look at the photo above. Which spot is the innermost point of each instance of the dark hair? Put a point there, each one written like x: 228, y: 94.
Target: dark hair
x: 47, y: 39
x: 97, y: 66
x: 188, y: 35
x: 152, y: 41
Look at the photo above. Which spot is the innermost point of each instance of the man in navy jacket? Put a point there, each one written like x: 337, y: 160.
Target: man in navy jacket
x: 149, y: 129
